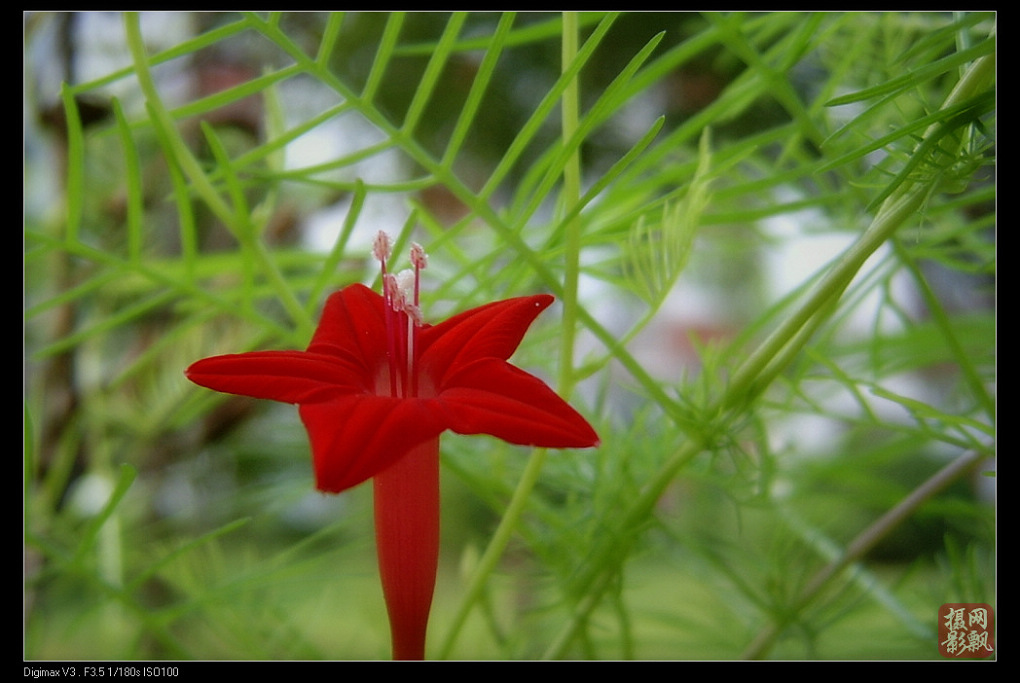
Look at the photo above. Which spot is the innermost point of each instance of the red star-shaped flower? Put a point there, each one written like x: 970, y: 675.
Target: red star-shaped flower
x: 341, y: 384
x: 376, y: 387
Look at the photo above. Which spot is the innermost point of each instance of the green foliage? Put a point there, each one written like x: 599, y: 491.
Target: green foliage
x: 800, y: 474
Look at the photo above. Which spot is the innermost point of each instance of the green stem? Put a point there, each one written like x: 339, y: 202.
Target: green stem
x: 494, y: 551
x: 571, y: 195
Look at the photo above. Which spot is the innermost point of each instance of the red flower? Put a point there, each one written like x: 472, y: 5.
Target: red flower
x: 341, y: 385
x: 375, y: 389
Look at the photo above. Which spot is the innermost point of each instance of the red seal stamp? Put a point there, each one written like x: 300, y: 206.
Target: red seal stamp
x: 966, y: 630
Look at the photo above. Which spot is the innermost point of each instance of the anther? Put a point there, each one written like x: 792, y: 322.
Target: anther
x: 393, y: 291
x: 419, y: 259
x: 381, y: 248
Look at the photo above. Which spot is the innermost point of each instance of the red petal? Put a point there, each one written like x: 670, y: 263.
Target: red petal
x: 356, y: 437
x: 287, y: 376
x: 494, y: 330
x: 352, y: 326
x: 496, y: 398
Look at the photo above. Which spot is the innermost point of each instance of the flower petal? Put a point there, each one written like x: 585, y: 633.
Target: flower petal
x: 352, y: 326
x: 493, y: 330
x: 287, y: 376
x: 496, y: 398
x: 355, y: 437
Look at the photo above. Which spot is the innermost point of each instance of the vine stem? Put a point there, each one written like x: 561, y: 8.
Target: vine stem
x: 570, y: 197
x: 571, y: 194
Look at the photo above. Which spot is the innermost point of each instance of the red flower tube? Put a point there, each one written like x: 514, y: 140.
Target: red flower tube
x: 376, y: 387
